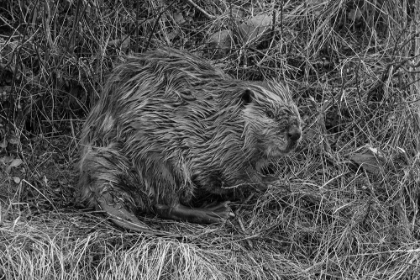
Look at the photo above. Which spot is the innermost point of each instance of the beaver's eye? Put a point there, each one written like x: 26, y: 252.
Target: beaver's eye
x: 270, y: 114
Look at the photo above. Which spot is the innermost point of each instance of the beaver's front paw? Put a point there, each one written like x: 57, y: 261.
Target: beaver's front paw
x: 209, y: 215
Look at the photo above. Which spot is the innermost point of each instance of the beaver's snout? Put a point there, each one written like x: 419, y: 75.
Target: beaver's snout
x: 294, y: 133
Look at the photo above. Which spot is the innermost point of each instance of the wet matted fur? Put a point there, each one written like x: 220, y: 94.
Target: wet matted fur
x: 169, y: 125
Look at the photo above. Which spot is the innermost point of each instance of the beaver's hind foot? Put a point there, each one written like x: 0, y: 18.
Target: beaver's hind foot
x: 209, y: 215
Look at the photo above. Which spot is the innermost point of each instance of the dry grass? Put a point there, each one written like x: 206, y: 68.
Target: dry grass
x: 328, y: 217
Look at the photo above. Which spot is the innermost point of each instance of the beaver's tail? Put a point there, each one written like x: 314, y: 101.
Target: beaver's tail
x: 101, y: 187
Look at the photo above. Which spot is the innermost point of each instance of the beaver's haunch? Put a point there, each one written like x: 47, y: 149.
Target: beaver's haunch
x: 169, y: 125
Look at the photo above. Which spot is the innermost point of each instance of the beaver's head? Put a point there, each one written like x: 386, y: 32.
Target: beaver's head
x: 272, y: 121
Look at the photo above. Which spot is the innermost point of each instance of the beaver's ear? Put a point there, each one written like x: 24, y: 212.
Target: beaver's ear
x: 247, y: 96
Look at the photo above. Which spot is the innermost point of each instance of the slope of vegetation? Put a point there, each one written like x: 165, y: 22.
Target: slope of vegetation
x: 346, y: 205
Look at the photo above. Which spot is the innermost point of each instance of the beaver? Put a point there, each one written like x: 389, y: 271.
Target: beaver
x: 169, y: 126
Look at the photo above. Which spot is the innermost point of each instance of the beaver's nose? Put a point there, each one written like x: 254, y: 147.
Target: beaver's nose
x: 294, y: 133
